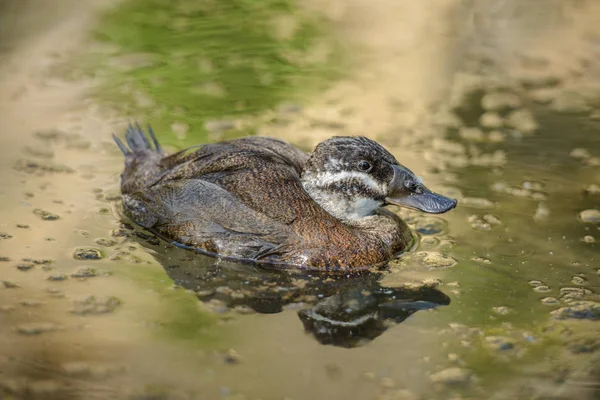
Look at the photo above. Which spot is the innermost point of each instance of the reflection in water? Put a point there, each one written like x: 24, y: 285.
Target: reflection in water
x: 345, y: 312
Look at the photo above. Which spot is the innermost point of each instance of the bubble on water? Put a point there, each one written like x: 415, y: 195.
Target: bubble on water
x: 431, y: 226
x: 87, y: 253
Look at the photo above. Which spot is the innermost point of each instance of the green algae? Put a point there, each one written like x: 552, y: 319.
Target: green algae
x: 179, y: 64
x: 179, y: 316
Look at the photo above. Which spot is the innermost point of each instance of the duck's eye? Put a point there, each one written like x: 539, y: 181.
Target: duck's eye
x: 364, y: 165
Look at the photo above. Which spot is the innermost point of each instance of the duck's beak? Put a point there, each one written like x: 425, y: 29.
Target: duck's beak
x: 406, y: 190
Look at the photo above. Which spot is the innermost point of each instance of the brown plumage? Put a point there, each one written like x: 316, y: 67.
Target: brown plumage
x: 262, y: 200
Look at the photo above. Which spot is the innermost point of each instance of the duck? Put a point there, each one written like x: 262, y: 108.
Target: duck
x: 263, y: 201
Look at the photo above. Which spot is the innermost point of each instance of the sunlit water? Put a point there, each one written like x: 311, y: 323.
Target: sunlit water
x: 498, y: 299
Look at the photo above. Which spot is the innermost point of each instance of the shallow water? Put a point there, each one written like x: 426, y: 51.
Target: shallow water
x: 499, y: 299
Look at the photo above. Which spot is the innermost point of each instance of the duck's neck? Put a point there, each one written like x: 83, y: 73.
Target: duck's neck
x: 342, y: 207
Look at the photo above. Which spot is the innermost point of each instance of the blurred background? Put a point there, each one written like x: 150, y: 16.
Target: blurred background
x: 496, y: 103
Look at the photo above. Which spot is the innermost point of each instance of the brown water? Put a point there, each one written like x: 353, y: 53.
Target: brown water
x: 498, y: 301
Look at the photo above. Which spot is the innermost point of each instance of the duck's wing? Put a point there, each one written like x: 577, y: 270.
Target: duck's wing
x: 262, y: 173
x: 203, y: 215
x: 211, y: 161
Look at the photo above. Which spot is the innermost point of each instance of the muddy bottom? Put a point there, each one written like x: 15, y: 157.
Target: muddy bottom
x: 499, y: 299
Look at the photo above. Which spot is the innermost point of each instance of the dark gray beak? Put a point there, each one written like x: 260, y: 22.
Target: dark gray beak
x: 406, y: 190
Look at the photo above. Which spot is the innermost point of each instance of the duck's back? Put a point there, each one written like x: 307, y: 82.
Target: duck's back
x: 223, y: 198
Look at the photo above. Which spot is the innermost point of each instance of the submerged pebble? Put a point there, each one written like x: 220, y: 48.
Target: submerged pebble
x: 25, y: 266
x: 89, y: 253
x: 4, y: 235
x: 477, y: 202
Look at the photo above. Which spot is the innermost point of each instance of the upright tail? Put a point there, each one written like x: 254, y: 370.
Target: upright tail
x: 138, y: 141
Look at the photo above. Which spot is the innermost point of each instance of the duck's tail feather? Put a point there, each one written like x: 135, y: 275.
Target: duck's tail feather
x: 137, y: 140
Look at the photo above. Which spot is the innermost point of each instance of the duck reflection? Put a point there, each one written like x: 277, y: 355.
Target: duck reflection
x: 345, y: 312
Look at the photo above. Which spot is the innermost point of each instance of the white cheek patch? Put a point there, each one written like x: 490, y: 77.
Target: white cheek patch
x: 326, y: 178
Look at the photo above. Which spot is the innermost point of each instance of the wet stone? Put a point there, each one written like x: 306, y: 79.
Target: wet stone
x: 25, y: 266
x: 499, y: 343
x: 481, y: 260
x: 592, y: 189
x: 542, y: 288
x: 435, y: 259
x: 9, y: 284
x: 452, y: 376
x: 578, y: 310
x: 588, y: 239
x: 35, y: 328
x: 56, y: 277
x: 84, y: 272
x: 550, y: 301
x: 55, y: 292
x: 37, y: 167
x: 46, y: 215
x: 579, y: 280
x: 30, y: 303
x: 106, y: 242
x: 569, y: 294
x: 590, y: 216
x: 232, y: 357
x: 95, y: 305
x: 501, y: 310
x: 89, y: 253
x: 585, y: 345
x: 580, y: 153
x: 477, y: 202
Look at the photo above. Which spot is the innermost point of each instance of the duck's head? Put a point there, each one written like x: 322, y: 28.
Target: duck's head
x: 352, y: 176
